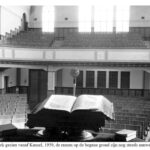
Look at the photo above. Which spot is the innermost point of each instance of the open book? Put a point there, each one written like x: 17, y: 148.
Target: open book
x: 88, y: 111
x: 83, y: 102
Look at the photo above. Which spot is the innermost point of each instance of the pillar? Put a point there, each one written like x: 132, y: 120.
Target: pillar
x: 51, y: 82
x: 107, y: 79
x: 119, y: 79
x: 18, y: 78
x: 2, y: 90
x: 95, y: 79
x: 84, y: 78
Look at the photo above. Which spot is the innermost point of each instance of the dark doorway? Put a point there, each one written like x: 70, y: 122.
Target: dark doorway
x: 6, y: 84
x: 125, y: 80
x: 113, y: 79
x: 37, y: 86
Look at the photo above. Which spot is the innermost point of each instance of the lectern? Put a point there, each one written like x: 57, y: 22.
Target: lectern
x: 87, y: 112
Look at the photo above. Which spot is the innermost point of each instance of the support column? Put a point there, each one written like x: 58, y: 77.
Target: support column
x: 2, y: 91
x: 18, y: 78
x: 92, y: 19
x: 95, y: 79
x: 51, y: 83
x: 107, y: 79
x: 114, y: 20
x: 119, y: 79
x: 84, y: 78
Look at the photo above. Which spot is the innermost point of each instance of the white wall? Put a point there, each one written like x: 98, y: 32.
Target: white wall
x: 35, y: 17
x: 11, y: 73
x: 24, y: 77
x: 136, y: 79
x: 136, y: 14
x: 63, y: 12
x: 11, y: 17
x: 1, y: 80
x: 67, y: 80
x: 71, y: 12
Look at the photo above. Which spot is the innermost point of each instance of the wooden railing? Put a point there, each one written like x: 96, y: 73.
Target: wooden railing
x: 104, y: 91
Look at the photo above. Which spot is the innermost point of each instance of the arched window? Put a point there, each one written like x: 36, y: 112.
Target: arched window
x: 48, y: 19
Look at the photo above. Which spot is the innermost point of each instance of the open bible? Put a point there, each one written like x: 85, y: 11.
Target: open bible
x: 84, y: 111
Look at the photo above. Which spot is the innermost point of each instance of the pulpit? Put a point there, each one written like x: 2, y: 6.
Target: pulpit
x: 53, y: 115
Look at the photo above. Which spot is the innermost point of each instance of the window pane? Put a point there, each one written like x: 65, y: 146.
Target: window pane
x: 48, y: 19
x: 103, y: 19
x: 84, y: 18
x: 122, y: 18
x: 89, y: 78
x: 113, y: 79
x: 101, y: 79
x: 125, y: 80
x: 80, y: 79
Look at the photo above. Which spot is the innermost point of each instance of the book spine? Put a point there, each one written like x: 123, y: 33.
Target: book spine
x: 123, y: 138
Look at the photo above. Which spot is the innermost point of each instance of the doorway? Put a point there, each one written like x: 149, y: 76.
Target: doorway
x: 6, y: 79
x: 37, y: 86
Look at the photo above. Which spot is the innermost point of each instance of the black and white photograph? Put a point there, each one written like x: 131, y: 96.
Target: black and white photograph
x: 74, y: 73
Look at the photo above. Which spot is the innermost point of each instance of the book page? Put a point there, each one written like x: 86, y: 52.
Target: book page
x: 87, y: 102
x: 60, y: 102
x: 94, y: 102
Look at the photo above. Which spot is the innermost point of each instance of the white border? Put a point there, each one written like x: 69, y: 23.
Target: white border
x: 74, y: 2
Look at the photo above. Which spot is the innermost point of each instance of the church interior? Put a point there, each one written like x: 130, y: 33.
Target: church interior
x: 108, y: 45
